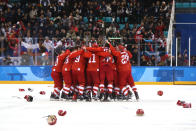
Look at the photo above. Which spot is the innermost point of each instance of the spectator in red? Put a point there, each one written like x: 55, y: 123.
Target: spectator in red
x: 159, y: 29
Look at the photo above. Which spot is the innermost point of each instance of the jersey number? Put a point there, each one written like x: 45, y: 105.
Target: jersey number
x: 77, y: 59
x: 124, y: 59
x: 92, y: 59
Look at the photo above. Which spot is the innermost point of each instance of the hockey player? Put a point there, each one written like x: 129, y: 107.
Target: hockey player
x: 106, y: 74
x: 124, y: 70
x: 57, y: 72
x: 92, y: 72
x: 78, y: 71
x: 66, y: 72
x: 93, y: 68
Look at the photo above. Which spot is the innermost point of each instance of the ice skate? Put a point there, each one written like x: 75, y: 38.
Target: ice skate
x: 130, y: 95
x: 101, y: 96
x: 125, y: 98
x: 95, y: 97
x: 64, y: 96
x: 87, y: 96
x: 120, y: 97
x: 107, y: 97
x: 53, y: 97
x: 80, y: 97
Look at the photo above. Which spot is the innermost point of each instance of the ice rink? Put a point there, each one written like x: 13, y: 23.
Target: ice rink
x: 161, y: 112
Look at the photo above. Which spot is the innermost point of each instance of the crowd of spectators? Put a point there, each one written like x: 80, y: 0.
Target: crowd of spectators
x: 183, y: 60
x: 185, y: 1
x: 36, y: 27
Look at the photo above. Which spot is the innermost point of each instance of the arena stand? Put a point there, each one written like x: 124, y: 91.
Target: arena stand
x: 26, y: 26
x: 30, y: 31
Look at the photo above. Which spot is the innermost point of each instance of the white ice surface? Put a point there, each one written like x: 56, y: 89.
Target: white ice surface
x: 161, y: 112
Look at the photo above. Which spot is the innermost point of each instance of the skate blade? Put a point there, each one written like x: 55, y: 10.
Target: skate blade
x: 51, y: 99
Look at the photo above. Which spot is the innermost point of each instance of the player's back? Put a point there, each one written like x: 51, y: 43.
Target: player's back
x: 67, y: 64
x: 79, y: 62
x: 106, y: 60
x: 93, y: 63
x: 59, y: 61
x: 123, y: 62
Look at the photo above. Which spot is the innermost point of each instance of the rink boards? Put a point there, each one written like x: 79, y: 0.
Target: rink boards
x: 142, y: 75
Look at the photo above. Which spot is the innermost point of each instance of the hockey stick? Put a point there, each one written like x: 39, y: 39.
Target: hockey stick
x: 17, y: 97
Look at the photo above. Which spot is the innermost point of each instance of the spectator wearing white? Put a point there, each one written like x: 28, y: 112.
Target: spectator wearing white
x: 108, y: 9
x: 62, y: 2
x: 33, y: 12
x: 28, y: 38
x: 69, y: 43
x: 45, y: 3
x: 77, y: 16
x: 111, y: 28
x: 60, y: 42
x: 28, y: 44
x: 78, y: 42
x: 48, y: 44
x: 163, y: 7
x: 66, y: 43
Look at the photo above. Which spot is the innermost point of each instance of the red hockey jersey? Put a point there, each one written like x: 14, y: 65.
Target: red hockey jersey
x: 59, y: 61
x: 97, y: 54
x: 79, y: 62
x: 69, y: 60
x: 123, y: 63
x: 106, y: 58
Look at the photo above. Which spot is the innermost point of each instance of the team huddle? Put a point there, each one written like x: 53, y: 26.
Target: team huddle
x: 98, y: 73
